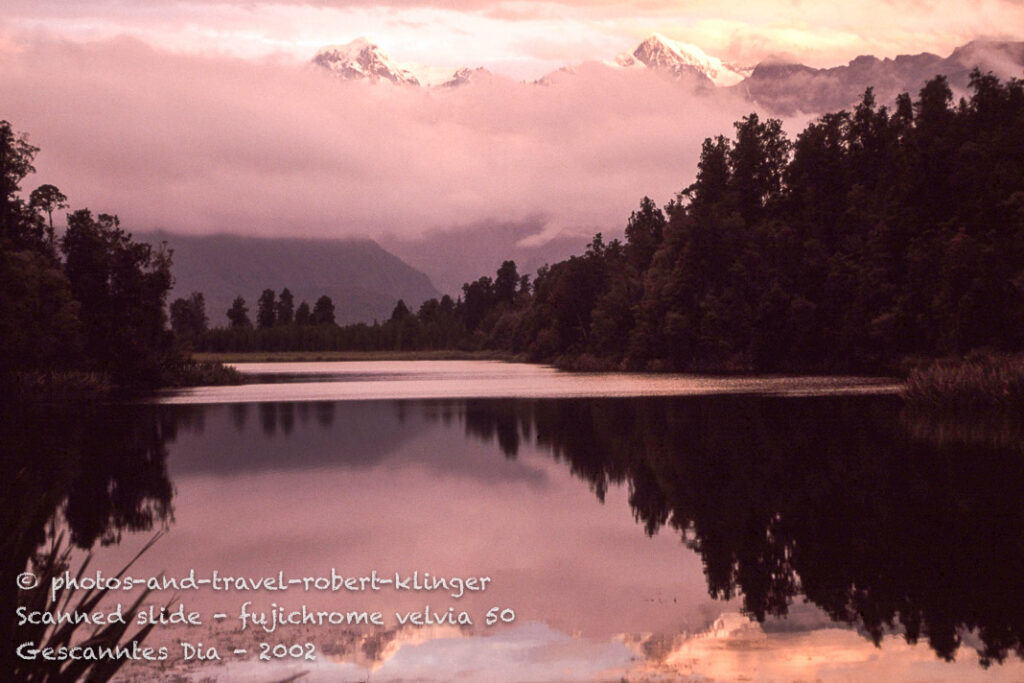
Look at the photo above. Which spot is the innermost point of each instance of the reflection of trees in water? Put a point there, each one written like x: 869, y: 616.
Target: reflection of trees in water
x: 284, y: 415
x: 97, y: 470
x: 836, y: 499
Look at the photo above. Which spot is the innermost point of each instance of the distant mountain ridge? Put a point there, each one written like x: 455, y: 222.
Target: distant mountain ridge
x: 786, y: 88
x: 363, y: 279
x: 781, y: 87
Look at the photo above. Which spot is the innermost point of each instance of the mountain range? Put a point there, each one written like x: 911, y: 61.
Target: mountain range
x: 780, y: 86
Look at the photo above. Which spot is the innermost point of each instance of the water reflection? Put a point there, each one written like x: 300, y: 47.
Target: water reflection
x: 885, y: 521
x: 95, y: 471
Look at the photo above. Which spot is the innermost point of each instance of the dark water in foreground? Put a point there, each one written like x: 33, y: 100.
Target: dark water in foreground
x: 722, y: 535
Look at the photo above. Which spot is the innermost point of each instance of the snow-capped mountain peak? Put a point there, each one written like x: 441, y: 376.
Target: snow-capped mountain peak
x: 465, y: 76
x: 663, y: 54
x: 362, y: 59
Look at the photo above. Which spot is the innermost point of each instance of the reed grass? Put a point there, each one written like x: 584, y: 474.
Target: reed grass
x: 46, y: 566
x: 978, y: 382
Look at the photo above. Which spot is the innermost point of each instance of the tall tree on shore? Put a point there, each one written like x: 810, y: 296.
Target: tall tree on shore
x: 48, y: 198
x: 16, y: 156
x: 188, y: 316
x: 323, y: 311
x: 266, y: 312
x: 285, y: 307
x: 238, y: 314
x: 302, y: 314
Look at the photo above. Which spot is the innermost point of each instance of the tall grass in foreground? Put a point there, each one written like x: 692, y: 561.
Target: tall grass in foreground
x: 46, y: 566
x: 979, y: 382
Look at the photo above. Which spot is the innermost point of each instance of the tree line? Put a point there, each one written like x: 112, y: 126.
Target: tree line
x: 875, y: 235
x: 189, y: 320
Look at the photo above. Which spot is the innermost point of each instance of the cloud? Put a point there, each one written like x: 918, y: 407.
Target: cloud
x: 521, y: 38
x: 208, y: 144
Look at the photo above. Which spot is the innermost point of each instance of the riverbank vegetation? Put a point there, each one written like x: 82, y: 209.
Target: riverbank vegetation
x: 981, y: 382
x: 875, y: 235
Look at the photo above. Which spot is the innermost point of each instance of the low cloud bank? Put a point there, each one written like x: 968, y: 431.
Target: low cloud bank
x: 205, y: 144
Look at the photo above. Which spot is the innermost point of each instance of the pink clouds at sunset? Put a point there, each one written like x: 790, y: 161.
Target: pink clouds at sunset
x: 208, y: 117
x: 201, y: 143
x: 526, y: 39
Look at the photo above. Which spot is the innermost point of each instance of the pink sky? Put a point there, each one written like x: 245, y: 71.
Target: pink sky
x: 526, y: 39
x: 206, y: 117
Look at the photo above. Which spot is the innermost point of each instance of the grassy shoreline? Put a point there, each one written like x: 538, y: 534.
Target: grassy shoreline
x: 981, y: 382
x: 312, y: 356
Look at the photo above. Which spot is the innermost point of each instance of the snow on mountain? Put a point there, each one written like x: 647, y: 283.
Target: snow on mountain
x: 465, y: 76
x: 781, y: 86
x: 663, y: 54
x: 362, y: 59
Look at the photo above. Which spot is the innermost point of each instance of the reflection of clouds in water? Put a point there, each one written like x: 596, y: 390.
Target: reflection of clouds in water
x: 731, y: 648
x: 735, y: 648
x: 529, y: 652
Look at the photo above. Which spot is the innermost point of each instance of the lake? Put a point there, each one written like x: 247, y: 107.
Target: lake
x: 629, y: 527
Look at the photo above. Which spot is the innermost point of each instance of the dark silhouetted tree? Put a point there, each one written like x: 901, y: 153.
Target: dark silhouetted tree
x: 505, y: 283
x: 285, y: 307
x: 266, y: 312
x: 238, y: 314
x: 323, y: 311
x: 48, y: 198
x: 400, y: 312
x: 188, y: 316
x: 302, y: 314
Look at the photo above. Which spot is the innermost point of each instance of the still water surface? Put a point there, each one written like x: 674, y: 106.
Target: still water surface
x: 643, y: 528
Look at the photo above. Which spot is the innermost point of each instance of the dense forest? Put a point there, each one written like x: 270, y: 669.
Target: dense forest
x: 876, y: 235
x: 88, y: 305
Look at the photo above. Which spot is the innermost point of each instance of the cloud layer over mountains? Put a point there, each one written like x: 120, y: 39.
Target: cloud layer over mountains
x: 204, y: 144
x: 352, y: 146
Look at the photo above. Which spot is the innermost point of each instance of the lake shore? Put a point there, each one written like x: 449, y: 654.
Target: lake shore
x: 326, y: 356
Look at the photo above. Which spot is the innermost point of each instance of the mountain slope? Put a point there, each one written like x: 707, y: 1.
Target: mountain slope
x: 361, y: 59
x: 458, y: 255
x: 663, y: 54
x: 363, y: 280
x: 787, y: 88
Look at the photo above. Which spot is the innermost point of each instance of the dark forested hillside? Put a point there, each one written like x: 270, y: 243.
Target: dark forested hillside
x: 876, y: 234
